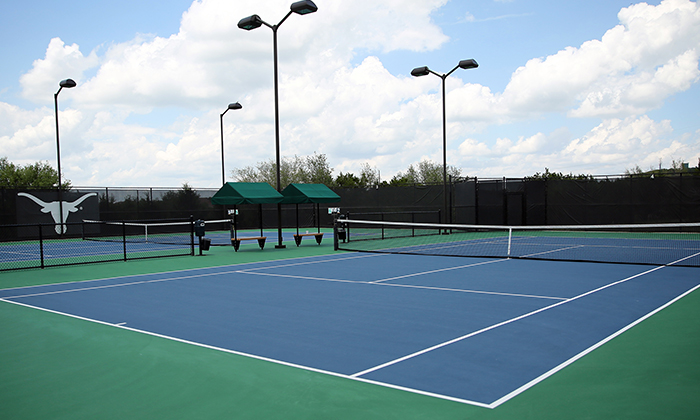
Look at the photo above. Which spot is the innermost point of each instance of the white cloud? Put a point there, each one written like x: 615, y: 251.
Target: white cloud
x: 611, y: 147
x: 617, y: 137
x: 61, y: 62
x: 353, y: 112
x: 636, y: 65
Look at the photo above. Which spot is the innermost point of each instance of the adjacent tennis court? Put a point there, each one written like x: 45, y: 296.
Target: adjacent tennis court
x: 477, y: 331
x: 101, y: 241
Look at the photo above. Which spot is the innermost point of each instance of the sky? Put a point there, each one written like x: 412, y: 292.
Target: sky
x: 593, y: 87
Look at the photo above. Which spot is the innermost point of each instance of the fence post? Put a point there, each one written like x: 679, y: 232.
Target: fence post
x: 41, y: 246
x: 476, y: 200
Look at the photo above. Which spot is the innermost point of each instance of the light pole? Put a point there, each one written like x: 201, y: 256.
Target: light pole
x: 424, y: 71
x: 252, y: 22
x: 234, y: 105
x: 68, y: 83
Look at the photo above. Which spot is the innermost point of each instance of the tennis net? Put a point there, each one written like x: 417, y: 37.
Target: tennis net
x: 654, y: 244
x: 158, y: 232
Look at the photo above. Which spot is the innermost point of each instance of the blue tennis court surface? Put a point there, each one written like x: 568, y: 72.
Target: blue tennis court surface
x: 478, y: 331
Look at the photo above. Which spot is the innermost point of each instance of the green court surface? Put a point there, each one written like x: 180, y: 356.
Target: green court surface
x: 57, y: 367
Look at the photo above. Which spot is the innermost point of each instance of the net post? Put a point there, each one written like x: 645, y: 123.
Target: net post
x: 382, y: 218
x: 335, y: 235
x: 510, y: 237
x: 439, y: 220
x: 124, y: 238
x: 192, y: 235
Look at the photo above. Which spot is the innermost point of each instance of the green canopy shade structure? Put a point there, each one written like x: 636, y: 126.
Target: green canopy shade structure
x: 309, y: 193
x: 235, y: 193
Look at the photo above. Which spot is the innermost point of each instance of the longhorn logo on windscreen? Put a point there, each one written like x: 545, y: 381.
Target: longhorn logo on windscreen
x: 54, y: 208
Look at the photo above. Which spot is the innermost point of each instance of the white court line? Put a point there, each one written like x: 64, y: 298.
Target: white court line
x: 290, y: 276
x: 25, y: 254
x: 481, y: 292
x: 229, y: 266
x: 554, y: 250
x: 159, y: 280
x: 500, y: 324
x: 438, y: 270
x: 109, y: 286
x: 356, y: 375
x: 254, y: 356
x: 313, y: 262
x: 587, y: 351
x: 251, y: 272
x: 408, y: 286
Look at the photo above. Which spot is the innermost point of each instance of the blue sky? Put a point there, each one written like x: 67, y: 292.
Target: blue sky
x: 594, y: 87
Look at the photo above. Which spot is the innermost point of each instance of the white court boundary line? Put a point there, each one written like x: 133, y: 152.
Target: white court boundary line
x: 562, y: 365
x: 252, y: 356
x: 222, y: 267
x: 589, y: 350
x: 494, y: 326
x: 356, y: 376
x: 410, y: 286
x: 109, y: 286
x: 253, y: 271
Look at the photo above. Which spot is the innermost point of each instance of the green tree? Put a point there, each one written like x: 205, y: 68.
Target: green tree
x: 427, y: 172
x: 183, y: 201
x: 347, y: 180
x: 410, y: 177
x: 547, y: 175
x: 368, y: 176
x: 36, y: 175
x: 430, y: 172
x: 318, y: 171
x: 678, y: 166
x: 298, y: 169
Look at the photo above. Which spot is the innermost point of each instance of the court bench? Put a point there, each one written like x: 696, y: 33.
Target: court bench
x: 299, y: 236
x: 237, y: 241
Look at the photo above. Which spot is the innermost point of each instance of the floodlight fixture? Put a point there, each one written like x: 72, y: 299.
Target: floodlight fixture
x: 424, y: 71
x: 67, y: 83
x: 468, y: 64
x: 250, y: 22
x: 303, y: 7
x: 234, y: 106
x: 420, y: 71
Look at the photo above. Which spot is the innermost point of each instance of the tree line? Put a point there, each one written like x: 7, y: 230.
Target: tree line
x: 315, y: 169
x: 36, y: 175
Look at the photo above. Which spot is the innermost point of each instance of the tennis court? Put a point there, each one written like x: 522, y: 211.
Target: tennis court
x: 103, y: 241
x: 477, y: 331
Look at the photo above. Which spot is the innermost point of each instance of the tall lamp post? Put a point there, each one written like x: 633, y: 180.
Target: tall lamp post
x: 234, y: 105
x: 424, y: 71
x: 252, y: 22
x: 68, y: 83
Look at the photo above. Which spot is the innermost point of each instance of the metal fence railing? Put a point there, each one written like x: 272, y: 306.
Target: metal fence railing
x: 45, y: 245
